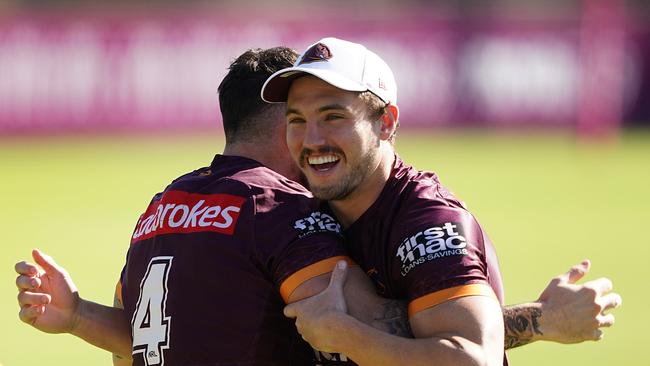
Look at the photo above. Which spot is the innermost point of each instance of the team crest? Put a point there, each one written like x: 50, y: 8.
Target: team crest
x: 317, y: 52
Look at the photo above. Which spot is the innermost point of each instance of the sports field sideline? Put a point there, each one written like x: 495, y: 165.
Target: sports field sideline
x: 546, y: 201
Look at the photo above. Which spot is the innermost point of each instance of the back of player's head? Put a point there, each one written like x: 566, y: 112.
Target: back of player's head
x: 245, y: 115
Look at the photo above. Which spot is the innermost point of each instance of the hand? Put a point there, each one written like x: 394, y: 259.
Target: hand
x: 47, y: 296
x: 317, y: 317
x: 575, y: 313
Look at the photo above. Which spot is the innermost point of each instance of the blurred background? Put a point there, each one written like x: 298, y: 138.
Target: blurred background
x: 536, y: 113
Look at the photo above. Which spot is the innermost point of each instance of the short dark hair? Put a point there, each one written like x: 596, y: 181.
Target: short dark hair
x: 239, y: 92
x: 375, y: 109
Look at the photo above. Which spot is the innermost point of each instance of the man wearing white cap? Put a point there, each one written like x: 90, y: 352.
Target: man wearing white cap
x: 324, y: 162
x: 407, y: 232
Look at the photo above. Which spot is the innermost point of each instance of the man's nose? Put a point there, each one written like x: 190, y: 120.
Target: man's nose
x: 314, y: 136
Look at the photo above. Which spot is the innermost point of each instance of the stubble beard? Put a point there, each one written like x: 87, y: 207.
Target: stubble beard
x: 346, y: 186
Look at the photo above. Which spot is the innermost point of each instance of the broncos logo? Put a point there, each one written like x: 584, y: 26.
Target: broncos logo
x: 317, y: 52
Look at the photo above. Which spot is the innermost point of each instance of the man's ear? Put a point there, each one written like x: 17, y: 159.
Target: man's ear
x: 389, y: 122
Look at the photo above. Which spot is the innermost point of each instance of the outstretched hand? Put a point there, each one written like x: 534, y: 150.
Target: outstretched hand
x: 47, y: 296
x: 575, y: 312
x: 317, y: 317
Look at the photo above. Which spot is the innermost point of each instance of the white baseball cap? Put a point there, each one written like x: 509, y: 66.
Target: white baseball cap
x: 343, y: 64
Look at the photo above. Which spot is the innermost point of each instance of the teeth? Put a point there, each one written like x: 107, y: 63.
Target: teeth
x: 315, y: 160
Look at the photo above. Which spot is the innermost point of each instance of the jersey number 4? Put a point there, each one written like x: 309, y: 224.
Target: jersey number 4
x: 150, y: 325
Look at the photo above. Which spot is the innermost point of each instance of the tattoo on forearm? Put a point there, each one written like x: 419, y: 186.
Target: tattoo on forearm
x: 521, y: 324
x: 393, y: 319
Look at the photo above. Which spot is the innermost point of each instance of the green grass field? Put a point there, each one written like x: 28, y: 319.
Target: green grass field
x: 546, y: 201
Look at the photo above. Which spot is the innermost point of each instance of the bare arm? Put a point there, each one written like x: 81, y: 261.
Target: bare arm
x: 464, y: 331
x: 521, y: 323
x: 458, y: 332
x: 565, y: 311
x: 363, y: 303
x: 103, y: 326
x: 121, y: 360
x: 50, y: 302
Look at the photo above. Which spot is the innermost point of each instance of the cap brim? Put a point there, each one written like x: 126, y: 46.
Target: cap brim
x: 276, y: 87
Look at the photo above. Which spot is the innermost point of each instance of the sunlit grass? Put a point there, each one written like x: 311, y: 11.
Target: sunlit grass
x: 546, y: 201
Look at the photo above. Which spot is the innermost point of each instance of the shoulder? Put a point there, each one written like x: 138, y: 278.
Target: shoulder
x: 426, y: 208
x: 263, y: 178
x: 417, y: 190
x: 425, y: 186
x: 249, y: 181
x: 271, y: 192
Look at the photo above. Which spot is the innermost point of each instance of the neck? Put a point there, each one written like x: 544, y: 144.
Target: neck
x: 349, y: 209
x: 268, y: 154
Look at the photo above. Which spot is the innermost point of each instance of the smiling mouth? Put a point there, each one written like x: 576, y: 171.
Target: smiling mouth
x: 323, y: 163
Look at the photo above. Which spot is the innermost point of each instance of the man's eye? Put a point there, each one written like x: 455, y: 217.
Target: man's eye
x: 295, y: 120
x: 331, y: 117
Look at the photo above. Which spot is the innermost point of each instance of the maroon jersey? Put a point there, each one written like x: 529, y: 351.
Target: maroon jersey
x: 211, y: 260
x: 419, y: 243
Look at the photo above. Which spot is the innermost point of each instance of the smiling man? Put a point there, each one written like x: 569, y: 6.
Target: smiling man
x: 416, y: 240
x: 407, y: 232
x: 242, y: 259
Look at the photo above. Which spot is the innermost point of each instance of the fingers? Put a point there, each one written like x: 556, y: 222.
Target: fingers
x: 601, y: 286
x: 290, y: 311
x: 27, y: 283
x: 577, y: 272
x: 598, y: 335
x: 26, y: 268
x: 26, y: 298
x: 29, y: 314
x: 45, y: 261
x: 610, y: 301
x: 606, y: 320
x: 339, y: 274
x: 573, y: 275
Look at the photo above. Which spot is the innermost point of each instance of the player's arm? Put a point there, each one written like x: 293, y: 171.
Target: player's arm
x: 305, y: 254
x: 105, y: 327
x: 459, y: 331
x: 120, y: 360
x: 363, y: 303
x: 565, y: 311
x: 50, y: 302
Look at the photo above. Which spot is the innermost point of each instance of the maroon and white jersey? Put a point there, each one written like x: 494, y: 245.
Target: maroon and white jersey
x: 419, y: 243
x: 211, y: 260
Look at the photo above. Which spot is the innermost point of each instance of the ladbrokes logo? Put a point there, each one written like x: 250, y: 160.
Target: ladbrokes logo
x: 183, y: 212
x: 317, y: 222
x: 435, y: 242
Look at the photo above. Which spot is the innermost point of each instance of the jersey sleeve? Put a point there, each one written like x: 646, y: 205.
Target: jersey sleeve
x: 118, y: 297
x: 118, y: 301
x: 439, y: 255
x: 295, y: 240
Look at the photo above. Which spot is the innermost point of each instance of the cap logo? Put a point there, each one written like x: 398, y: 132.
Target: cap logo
x: 317, y: 52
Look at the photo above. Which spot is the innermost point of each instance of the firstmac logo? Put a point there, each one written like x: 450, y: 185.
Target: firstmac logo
x: 435, y: 242
x: 317, y: 222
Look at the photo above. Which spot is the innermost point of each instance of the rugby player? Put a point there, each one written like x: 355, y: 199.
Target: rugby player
x: 216, y: 255
x: 50, y: 302
x: 409, y: 234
